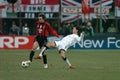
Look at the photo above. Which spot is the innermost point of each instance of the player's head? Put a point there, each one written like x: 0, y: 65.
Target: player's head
x: 41, y: 18
x: 76, y: 30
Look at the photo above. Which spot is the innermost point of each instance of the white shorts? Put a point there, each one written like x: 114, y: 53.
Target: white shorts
x: 60, y: 45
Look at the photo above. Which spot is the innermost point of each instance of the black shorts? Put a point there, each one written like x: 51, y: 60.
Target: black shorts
x: 41, y: 40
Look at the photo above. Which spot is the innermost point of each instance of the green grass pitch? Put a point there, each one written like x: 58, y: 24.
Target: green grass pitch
x: 90, y: 65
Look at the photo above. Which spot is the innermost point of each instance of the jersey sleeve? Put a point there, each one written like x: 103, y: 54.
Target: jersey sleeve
x: 80, y: 38
x: 52, y: 31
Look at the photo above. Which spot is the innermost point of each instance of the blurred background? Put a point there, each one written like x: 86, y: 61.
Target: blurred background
x: 18, y: 17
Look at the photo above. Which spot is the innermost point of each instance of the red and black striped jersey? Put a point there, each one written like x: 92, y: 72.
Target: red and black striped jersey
x: 43, y: 29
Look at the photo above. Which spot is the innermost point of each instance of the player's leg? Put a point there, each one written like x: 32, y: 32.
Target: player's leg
x: 44, y: 59
x: 51, y: 44
x: 35, y: 46
x: 62, y: 53
x: 48, y: 45
x: 42, y: 41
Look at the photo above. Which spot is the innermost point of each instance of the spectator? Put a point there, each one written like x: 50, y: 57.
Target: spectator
x: 25, y: 30
x: 55, y: 26
x: 112, y: 29
x: 5, y: 28
x: 14, y: 30
x: 66, y: 29
x: 89, y: 29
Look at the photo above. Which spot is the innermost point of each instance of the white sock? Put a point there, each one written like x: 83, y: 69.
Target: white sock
x: 68, y: 62
x: 42, y: 51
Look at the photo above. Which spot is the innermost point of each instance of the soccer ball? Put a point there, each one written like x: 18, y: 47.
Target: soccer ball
x: 24, y: 64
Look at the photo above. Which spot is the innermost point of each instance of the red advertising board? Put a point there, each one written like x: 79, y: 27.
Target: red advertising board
x: 16, y: 42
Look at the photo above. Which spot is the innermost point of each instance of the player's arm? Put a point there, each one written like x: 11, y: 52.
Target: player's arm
x: 81, y: 36
x: 52, y: 31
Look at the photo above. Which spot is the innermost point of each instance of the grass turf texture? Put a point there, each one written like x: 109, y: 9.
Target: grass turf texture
x: 90, y: 65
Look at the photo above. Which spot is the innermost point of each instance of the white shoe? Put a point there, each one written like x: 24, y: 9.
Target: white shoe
x: 45, y: 66
x: 28, y: 62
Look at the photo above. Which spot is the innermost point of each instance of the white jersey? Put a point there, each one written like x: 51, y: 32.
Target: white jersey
x: 68, y: 41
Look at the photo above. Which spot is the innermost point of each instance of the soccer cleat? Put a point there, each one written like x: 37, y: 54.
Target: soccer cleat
x: 38, y: 57
x: 71, y: 67
x: 45, y: 66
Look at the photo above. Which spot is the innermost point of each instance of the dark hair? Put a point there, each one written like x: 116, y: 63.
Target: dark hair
x: 79, y: 29
x: 42, y: 15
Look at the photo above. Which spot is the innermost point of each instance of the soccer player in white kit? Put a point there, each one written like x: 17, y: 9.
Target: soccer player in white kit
x: 64, y: 44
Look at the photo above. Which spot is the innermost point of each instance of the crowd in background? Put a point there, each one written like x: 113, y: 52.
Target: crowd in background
x: 87, y: 27
x: 26, y: 28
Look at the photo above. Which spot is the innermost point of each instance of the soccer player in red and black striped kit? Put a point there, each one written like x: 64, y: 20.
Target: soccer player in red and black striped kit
x: 42, y: 31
